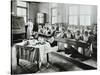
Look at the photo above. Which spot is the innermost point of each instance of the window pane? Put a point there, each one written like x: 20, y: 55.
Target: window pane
x: 82, y: 20
x: 20, y: 3
x: 54, y: 15
x: 88, y: 22
x: 40, y: 15
x: 24, y: 18
x: 73, y: 10
x: 38, y: 20
x: 21, y: 11
x: 85, y: 20
x: 86, y: 10
x: 54, y: 20
x: 70, y: 20
x: 54, y: 12
x: 73, y: 20
x: 41, y: 20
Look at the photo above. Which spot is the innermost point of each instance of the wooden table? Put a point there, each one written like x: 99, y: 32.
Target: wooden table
x: 73, y: 42
x: 30, y: 54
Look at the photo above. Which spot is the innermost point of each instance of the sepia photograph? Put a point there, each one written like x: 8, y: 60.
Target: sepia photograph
x: 53, y: 37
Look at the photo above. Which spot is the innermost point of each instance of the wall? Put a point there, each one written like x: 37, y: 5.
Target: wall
x: 62, y: 11
x: 33, y: 10
x: 61, y: 8
x: 13, y: 7
x: 94, y: 15
x: 45, y: 7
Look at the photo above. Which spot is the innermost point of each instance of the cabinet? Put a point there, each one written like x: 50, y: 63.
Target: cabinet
x: 17, y: 29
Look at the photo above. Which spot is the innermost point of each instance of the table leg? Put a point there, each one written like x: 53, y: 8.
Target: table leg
x: 84, y: 51
x: 17, y: 55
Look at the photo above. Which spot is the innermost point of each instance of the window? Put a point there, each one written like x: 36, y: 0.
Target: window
x: 53, y: 15
x: 73, y: 15
x: 80, y: 15
x: 40, y: 18
x: 73, y: 20
x: 22, y: 9
x: 20, y: 3
x: 84, y: 20
x: 85, y: 15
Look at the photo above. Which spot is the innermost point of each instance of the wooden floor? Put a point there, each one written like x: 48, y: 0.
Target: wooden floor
x: 71, y: 64
x: 49, y: 69
x: 26, y: 67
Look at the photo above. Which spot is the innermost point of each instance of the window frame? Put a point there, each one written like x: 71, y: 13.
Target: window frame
x: 85, y: 15
x: 53, y: 16
x: 23, y: 7
x: 79, y: 14
x: 39, y: 18
x: 73, y: 15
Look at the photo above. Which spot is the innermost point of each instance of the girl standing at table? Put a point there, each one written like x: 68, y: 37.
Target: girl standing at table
x: 44, y: 48
x: 30, y: 28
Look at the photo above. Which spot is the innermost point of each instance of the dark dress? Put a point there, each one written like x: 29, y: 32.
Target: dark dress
x: 94, y: 46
